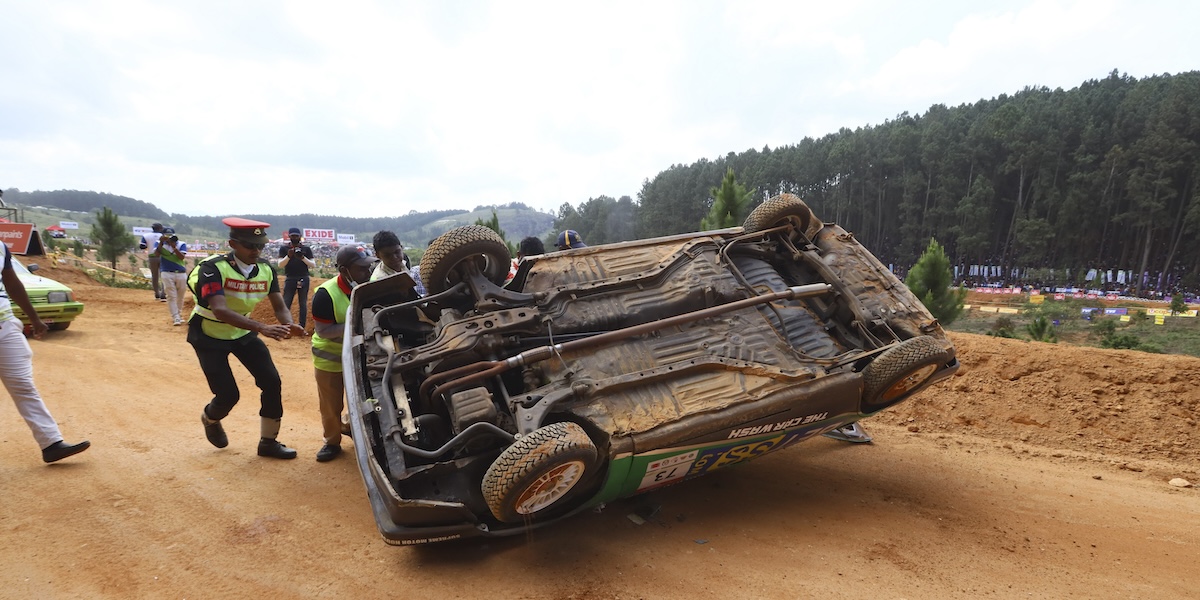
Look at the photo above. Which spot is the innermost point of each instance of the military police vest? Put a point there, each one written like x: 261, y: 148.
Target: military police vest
x: 242, y: 294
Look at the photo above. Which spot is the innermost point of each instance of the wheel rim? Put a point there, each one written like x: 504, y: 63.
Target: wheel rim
x: 550, y: 487
x: 909, y: 382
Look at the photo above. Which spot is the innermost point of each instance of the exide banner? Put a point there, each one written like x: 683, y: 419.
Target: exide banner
x: 320, y: 235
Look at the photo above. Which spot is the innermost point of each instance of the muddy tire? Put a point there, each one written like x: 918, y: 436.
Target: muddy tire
x: 59, y: 325
x: 440, y: 266
x: 779, y: 210
x: 898, y: 372
x: 538, y: 472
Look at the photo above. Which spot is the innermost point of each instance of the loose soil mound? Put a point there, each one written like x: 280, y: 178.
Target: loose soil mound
x: 1129, y: 406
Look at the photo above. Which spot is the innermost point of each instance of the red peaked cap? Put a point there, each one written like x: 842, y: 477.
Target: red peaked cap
x: 247, y: 230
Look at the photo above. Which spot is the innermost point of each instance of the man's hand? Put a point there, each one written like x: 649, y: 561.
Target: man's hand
x: 278, y: 332
x: 38, y: 328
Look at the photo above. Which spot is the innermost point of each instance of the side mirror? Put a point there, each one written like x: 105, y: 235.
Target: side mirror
x: 32, y: 267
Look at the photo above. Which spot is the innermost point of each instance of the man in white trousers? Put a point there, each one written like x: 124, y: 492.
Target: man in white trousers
x: 16, y: 367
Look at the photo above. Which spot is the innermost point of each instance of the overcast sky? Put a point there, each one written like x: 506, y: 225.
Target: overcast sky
x: 378, y: 108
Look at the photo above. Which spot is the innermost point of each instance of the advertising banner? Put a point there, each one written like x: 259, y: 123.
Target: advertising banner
x: 68, y: 224
x: 345, y: 238
x: 140, y: 231
x: 16, y: 236
x: 320, y: 235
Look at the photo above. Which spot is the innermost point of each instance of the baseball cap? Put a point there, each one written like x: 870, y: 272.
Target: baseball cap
x: 168, y: 231
x: 294, y: 231
x: 348, y: 256
x: 569, y: 239
x: 247, y: 230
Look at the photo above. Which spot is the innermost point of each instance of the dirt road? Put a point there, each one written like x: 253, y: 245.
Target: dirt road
x: 1040, y: 472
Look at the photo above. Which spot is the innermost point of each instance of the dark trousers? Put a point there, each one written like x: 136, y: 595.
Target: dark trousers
x: 297, y: 284
x: 158, y: 289
x: 254, y: 355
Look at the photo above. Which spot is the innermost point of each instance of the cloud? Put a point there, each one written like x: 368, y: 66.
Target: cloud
x: 378, y: 108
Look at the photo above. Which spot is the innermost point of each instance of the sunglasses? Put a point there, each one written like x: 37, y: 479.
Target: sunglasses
x: 250, y: 245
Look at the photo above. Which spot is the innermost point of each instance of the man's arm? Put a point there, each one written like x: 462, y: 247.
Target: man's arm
x: 324, y: 321
x: 16, y: 292
x: 178, y: 250
x: 283, y: 315
x: 285, y: 329
x: 307, y: 257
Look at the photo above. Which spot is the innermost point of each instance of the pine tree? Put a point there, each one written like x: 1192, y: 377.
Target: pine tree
x: 730, y: 202
x: 1177, y: 304
x: 1041, y: 329
x: 494, y: 224
x: 930, y: 281
x: 112, y: 237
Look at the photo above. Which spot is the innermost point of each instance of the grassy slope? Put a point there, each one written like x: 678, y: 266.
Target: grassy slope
x: 1177, y: 335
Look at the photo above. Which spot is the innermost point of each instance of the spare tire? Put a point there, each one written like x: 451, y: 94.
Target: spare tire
x: 780, y: 210
x: 440, y: 266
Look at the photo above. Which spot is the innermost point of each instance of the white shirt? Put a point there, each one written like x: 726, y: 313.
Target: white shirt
x: 151, y: 240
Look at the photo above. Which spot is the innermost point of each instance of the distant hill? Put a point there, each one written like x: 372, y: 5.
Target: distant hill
x: 414, y: 229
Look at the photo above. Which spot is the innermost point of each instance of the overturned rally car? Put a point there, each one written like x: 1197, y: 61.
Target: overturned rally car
x: 603, y: 372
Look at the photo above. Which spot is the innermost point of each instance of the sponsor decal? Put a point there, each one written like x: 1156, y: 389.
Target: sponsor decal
x: 16, y: 236
x: 667, y: 470
x: 780, y: 426
x: 320, y: 235
x: 724, y: 456
x: 443, y: 538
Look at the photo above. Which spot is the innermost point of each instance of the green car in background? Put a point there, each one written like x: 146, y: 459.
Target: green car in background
x: 54, y: 302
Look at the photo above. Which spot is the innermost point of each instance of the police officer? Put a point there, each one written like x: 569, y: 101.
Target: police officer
x: 227, y: 287
x: 330, y: 303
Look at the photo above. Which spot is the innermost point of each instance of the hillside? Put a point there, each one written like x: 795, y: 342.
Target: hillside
x: 414, y: 229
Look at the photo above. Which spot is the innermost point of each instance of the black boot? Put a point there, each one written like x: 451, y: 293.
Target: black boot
x: 60, y: 450
x: 273, y: 449
x: 214, y: 431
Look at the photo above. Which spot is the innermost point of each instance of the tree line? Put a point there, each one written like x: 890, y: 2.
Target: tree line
x: 1101, y: 176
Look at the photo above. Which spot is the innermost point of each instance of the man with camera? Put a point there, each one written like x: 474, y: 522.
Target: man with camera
x: 171, y: 254
x: 297, y: 259
x: 148, y: 243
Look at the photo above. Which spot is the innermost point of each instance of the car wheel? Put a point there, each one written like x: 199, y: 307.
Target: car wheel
x: 780, y: 210
x: 899, y: 371
x: 538, y: 471
x: 59, y: 325
x: 440, y: 266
